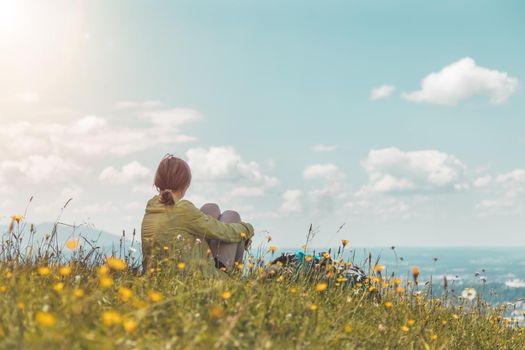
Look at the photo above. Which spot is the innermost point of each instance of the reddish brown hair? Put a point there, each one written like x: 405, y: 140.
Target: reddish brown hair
x: 173, y: 174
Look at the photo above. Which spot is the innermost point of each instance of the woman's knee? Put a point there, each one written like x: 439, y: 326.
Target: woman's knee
x: 212, y: 210
x: 230, y: 216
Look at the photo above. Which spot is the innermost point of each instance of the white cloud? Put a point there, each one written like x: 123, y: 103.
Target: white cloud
x: 509, y: 192
x: 137, y: 104
x: 50, y: 152
x: 321, y: 171
x: 331, y: 188
x: 222, y: 173
x: 292, y: 202
x: 39, y: 169
x: 515, y: 283
x: 97, y: 136
x: 28, y: 97
x: 246, y: 191
x: 381, y: 92
x: 482, y: 181
x: 513, y: 182
x: 71, y: 192
x: 224, y: 163
x: 171, y: 118
x: 323, y: 148
x: 380, y: 206
x: 4, y: 187
x: 461, y: 80
x: 97, y: 208
x: 391, y: 170
x: 129, y: 173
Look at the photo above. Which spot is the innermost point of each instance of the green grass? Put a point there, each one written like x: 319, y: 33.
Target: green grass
x: 175, y: 309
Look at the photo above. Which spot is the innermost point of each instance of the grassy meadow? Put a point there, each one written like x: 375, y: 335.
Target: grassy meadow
x: 72, y: 296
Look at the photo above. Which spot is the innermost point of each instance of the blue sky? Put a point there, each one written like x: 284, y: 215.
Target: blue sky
x: 294, y: 112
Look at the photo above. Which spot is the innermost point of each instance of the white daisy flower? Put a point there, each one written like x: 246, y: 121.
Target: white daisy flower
x: 469, y: 293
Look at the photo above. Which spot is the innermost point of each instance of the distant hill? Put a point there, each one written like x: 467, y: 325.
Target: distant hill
x: 97, y: 237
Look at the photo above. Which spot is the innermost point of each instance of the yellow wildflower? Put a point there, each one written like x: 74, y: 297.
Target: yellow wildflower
x: 272, y: 249
x: 433, y: 337
x: 293, y: 290
x: 404, y: 329
x: 72, y: 244
x: 312, y: 307
x: 64, y: 270
x: 78, y: 292
x: 44, y: 271
x: 243, y: 235
x: 103, y: 270
x: 321, y: 287
x: 111, y: 318
x: 308, y: 258
x: 155, y: 296
x: 181, y: 266
x: 58, y: 287
x: 125, y: 293
x: 389, y: 304
x: 411, y: 322
x: 415, y: 273
x: 379, y: 268
x: 45, y: 319
x: 130, y: 326
x: 344, y: 242
x: 106, y: 282
x: 17, y: 217
x: 400, y: 290
x: 116, y: 263
x: 250, y: 265
x: 348, y: 328
x: 21, y: 306
x: 139, y: 304
x: 216, y: 312
x: 268, y: 238
x: 226, y: 295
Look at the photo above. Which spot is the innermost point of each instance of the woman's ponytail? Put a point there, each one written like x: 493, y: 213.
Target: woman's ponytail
x: 173, y: 175
x: 166, y: 197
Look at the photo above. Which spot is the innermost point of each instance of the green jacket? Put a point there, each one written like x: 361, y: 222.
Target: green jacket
x: 178, y: 233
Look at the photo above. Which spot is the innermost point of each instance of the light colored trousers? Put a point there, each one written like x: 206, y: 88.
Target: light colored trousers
x: 226, y: 253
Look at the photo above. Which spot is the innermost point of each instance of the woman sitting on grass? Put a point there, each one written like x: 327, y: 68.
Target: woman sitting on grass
x: 204, y: 240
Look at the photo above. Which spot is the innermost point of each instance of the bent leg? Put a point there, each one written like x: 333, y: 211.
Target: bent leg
x: 225, y: 253
x: 230, y: 216
x: 214, y: 211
